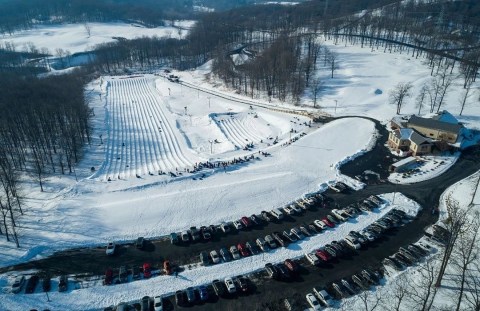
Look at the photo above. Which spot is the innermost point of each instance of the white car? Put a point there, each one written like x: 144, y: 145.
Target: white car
x: 234, y: 251
x: 295, y: 208
x: 262, y: 244
x: 312, y: 258
x: 320, y: 224
x: 110, y: 249
x: 215, y: 257
x: 157, y: 303
x: 237, y: 224
x: 230, y: 285
x: 324, y: 297
x: 289, y: 210
x: 313, y: 302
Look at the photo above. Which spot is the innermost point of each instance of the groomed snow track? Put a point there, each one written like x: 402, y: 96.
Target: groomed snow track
x: 239, y: 132
x: 141, y: 139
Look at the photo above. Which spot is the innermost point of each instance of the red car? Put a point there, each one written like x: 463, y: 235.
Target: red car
x: 147, y: 270
x: 242, y: 248
x: 246, y: 221
x: 328, y: 222
x: 323, y: 255
x: 108, y: 277
x: 291, y: 265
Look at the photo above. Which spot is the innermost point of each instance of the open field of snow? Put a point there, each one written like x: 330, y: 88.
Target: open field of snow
x: 75, y: 38
x: 102, y: 296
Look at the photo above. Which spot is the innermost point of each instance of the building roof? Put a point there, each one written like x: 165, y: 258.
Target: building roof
x: 403, y: 133
x: 445, y: 116
x: 434, y: 124
x: 418, y: 139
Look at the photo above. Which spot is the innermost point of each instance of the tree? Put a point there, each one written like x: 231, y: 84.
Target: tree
x: 399, y: 93
x: 454, y: 223
x: 466, y: 96
x: 315, y: 88
x: 419, y: 101
x: 332, y: 61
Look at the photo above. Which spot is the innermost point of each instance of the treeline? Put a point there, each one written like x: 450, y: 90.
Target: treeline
x: 24, y: 14
x: 43, y: 126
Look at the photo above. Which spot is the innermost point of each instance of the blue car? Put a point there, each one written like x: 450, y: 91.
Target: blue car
x: 202, y: 290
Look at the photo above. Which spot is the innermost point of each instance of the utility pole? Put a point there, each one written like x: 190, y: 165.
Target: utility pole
x: 211, y: 146
x: 208, y: 102
x: 336, y: 103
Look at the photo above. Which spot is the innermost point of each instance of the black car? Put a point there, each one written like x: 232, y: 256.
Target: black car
x: 278, y: 238
x: 180, y: 297
x: 46, y: 284
x: 283, y: 271
x: 266, y: 216
x: 140, y: 243
x: 252, y: 247
x: 219, y: 288
x: 62, y: 283
x: 206, y: 233
x: 31, y: 284
x: 242, y: 283
x: 272, y: 271
x: 174, y: 239
x: 255, y: 219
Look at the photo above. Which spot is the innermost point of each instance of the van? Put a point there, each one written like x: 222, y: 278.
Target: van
x: 277, y: 213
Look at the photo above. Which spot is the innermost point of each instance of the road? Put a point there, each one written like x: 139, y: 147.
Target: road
x: 426, y: 193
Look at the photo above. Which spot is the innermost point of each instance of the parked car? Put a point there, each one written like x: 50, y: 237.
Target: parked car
x: 242, y: 248
x: 289, y: 236
x: 62, y: 283
x: 108, y: 277
x: 255, y: 219
x: 230, y: 285
x: 272, y: 271
x: 122, y: 274
x: 266, y: 216
x: 323, y: 296
x: 278, y: 238
x: 206, y: 233
x: 322, y: 255
x: 226, y: 256
x: 195, y: 233
x: 283, y: 271
x: 292, y: 265
x: 328, y: 222
x: 145, y: 303
x: 215, y: 257
x: 147, y: 270
x: 312, y: 258
x: 18, y: 284
x: 252, y: 248
x: 157, y: 303
x: 185, y: 237
x: 270, y: 241
x: 219, y: 288
x: 31, y: 284
x: 204, y: 258
x: 190, y: 294
x: 180, y: 298
x: 140, y: 242
x: 295, y: 208
x: 277, y: 213
x: 110, y: 251
x: 320, y: 224
x: 288, y: 210
x: 352, y: 242
x: 305, y: 231
x: 225, y: 227
x: 46, y: 283
x: 203, y: 293
x: 242, y: 283
x: 313, y: 302
x: 234, y: 251
x: 174, y: 238
x: 238, y: 225
x: 246, y: 221
x: 298, y: 233
x: 262, y: 244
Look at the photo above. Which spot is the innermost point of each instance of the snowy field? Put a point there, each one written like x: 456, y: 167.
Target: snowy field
x: 75, y: 38
x: 97, y: 296
x: 149, y: 124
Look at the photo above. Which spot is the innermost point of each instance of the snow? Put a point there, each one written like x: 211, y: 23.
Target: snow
x: 93, y: 210
x: 74, y: 37
x: 95, y: 296
x: 428, y: 167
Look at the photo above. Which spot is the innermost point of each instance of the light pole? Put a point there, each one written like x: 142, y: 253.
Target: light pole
x: 336, y: 102
x: 208, y: 102
x: 211, y: 146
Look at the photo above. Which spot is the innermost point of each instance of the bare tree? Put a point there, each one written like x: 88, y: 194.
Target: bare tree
x: 422, y: 289
x: 315, y: 88
x: 420, y: 100
x: 399, y: 292
x: 454, y: 223
x: 333, y: 62
x: 472, y: 295
x: 466, y: 253
x: 399, y: 93
x: 466, y: 96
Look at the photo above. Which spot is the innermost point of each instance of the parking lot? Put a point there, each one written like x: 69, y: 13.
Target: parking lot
x: 264, y: 290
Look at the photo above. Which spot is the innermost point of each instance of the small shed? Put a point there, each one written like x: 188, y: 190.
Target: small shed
x: 401, y: 165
